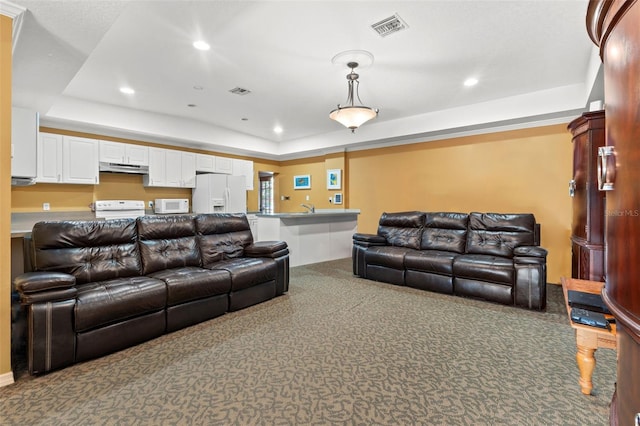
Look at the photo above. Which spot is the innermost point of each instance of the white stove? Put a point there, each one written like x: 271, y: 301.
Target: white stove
x: 119, y: 209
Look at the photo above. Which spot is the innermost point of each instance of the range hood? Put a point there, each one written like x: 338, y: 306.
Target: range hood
x: 124, y: 168
x: 22, y: 181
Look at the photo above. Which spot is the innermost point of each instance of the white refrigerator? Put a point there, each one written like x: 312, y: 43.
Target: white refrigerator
x: 216, y: 193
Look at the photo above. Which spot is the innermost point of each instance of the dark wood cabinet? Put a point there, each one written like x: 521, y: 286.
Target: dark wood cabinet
x: 587, y: 230
x: 613, y: 25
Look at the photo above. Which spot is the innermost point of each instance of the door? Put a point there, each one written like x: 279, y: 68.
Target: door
x: 236, y: 195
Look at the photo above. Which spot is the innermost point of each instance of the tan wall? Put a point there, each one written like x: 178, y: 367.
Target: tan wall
x: 516, y: 171
x: 318, y: 195
x: 5, y: 196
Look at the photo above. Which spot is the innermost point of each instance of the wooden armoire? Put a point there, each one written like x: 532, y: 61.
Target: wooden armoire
x: 587, y: 227
x: 614, y: 25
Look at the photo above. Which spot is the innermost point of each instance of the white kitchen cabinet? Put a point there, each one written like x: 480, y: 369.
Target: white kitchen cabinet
x: 24, y: 141
x: 67, y: 159
x: 157, y: 175
x: 205, y: 163
x: 171, y: 168
x: 244, y: 168
x: 253, y: 225
x: 49, y: 158
x: 188, y: 163
x: 80, y: 158
x: 224, y: 165
x: 123, y: 153
x: 174, y: 168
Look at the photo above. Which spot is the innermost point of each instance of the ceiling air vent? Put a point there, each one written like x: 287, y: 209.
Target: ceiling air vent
x: 240, y: 91
x: 390, y: 25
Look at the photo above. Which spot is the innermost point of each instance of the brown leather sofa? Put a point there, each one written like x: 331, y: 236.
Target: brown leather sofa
x: 101, y: 286
x: 491, y: 256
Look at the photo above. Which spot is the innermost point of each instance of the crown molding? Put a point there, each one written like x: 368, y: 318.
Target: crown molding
x: 11, y: 10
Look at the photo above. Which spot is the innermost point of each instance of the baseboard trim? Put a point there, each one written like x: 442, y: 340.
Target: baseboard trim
x: 6, y: 379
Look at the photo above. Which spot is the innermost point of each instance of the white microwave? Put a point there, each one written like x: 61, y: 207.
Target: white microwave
x: 171, y: 205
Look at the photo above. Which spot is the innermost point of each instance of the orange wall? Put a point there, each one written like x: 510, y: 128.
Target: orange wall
x: 318, y: 194
x: 510, y: 172
x: 514, y: 171
x: 6, y: 25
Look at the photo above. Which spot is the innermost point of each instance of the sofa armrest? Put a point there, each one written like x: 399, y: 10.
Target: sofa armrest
x: 271, y: 249
x: 35, y: 287
x: 278, y: 251
x: 49, y: 299
x: 530, y: 251
x: 530, y: 290
x: 368, y: 240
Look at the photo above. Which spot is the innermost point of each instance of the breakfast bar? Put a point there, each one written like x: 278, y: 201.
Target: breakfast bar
x: 312, y: 237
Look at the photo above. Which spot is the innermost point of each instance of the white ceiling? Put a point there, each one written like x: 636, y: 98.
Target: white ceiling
x: 533, y: 59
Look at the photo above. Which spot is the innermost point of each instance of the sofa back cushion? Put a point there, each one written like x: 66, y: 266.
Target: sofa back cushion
x: 402, y: 229
x: 167, y: 242
x: 445, y: 231
x: 498, y: 234
x: 89, y: 250
x: 222, y: 236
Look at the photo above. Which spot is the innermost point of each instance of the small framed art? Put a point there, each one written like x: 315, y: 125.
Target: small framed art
x: 334, y: 178
x: 302, y: 182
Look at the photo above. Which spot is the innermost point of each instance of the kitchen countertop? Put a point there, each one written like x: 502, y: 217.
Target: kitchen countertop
x: 22, y: 223
x: 318, y: 213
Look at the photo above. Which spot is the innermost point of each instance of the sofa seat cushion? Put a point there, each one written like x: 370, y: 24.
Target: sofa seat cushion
x: 484, y: 268
x: 436, y: 261
x: 247, y: 272
x: 107, y: 302
x: 389, y: 256
x: 193, y: 283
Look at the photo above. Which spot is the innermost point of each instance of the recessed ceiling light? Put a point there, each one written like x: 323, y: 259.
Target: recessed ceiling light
x: 127, y: 90
x: 201, y: 45
x: 198, y: 88
x: 277, y: 129
x: 471, y: 82
x: 192, y: 105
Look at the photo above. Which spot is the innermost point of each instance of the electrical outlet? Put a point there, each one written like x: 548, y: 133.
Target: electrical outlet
x: 46, y: 207
x: 307, y: 198
x: 150, y: 204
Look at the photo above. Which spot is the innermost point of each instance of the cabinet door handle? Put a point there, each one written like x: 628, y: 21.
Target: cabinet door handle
x: 606, y: 168
x: 572, y: 187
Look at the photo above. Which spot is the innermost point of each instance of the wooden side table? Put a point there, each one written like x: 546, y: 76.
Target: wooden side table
x: 588, y: 339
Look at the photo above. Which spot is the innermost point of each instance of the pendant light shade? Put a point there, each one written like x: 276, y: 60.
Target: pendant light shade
x: 353, y: 116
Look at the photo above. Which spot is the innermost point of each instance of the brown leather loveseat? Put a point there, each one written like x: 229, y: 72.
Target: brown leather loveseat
x: 101, y: 286
x: 489, y: 256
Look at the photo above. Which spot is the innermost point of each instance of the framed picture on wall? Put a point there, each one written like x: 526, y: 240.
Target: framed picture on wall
x: 302, y: 182
x: 334, y: 178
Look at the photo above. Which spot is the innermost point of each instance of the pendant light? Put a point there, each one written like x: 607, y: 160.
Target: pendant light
x: 353, y: 116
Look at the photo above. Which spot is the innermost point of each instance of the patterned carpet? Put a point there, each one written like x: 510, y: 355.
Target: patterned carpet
x: 336, y: 350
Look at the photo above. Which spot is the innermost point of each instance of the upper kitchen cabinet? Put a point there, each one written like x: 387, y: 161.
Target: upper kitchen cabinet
x: 123, y: 153
x: 24, y: 140
x: 80, y: 158
x: 206, y: 163
x: 171, y: 168
x: 157, y: 168
x: 49, y: 158
x: 67, y: 159
x: 224, y: 165
x: 244, y: 168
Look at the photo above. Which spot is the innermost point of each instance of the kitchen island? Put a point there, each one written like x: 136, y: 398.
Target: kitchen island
x: 311, y: 237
